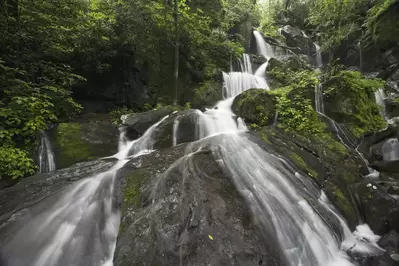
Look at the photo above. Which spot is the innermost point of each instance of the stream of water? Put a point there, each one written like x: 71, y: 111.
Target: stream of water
x: 276, y: 193
x: 46, y: 154
x: 79, y: 225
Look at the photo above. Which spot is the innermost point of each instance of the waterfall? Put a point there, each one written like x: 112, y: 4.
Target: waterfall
x: 275, y: 120
x: 390, y: 150
x: 340, y: 134
x: 271, y: 188
x: 319, y: 59
x: 261, y: 71
x: 175, y: 130
x: 237, y: 82
x: 380, y: 100
x: 46, y: 155
x: 319, y: 104
x: 246, y: 64
x: 263, y: 47
x: 78, y: 225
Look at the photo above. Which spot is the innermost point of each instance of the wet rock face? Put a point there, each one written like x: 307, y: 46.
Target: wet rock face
x: 295, y: 38
x: 83, y: 141
x: 189, y: 214
x: 255, y: 106
x: 184, y: 124
x: 137, y: 124
x: 379, y: 207
x: 15, y: 199
x: 381, y: 149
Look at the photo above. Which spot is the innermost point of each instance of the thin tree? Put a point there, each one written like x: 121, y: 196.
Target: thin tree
x: 176, y: 50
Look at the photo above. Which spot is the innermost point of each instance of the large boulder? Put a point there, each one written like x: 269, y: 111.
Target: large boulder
x: 328, y: 162
x: 75, y: 142
x: 208, y: 93
x: 277, y: 69
x: 255, y: 106
x: 349, y: 99
x: 137, y: 124
x: 379, y: 207
x: 296, y: 38
x: 186, y: 211
x: 30, y: 190
x: 178, y: 128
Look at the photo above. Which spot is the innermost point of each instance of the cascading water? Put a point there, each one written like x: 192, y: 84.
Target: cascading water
x: 78, y: 225
x: 344, y: 138
x: 380, y: 100
x: 274, y: 192
x: 263, y: 47
x: 319, y: 59
x: 318, y: 95
x: 390, y: 150
x: 46, y: 155
x: 175, y: 129
x: 245, y: 64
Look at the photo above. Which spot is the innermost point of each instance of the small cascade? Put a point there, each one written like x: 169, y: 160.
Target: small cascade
x: 263, y: 47
x: 271, y: 188
x: 46, y: 155
x: 261, y: 71
x: 319, y: 104
x: 380, y: 100
x: 340, y: 133
x: 78, y: 225
x: 246, y: 64
x: 319, y: 59
x: 275, y: 120
x: 175, y: 130
x: 390, y: 150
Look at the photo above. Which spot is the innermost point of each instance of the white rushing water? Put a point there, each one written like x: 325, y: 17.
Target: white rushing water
x: 380, y: 100
x: 79, y: 225
x: 46, y: 154
x: 319, y: 59
x: 390, y: 150
x: 263, y: 47
x: 274, y: 192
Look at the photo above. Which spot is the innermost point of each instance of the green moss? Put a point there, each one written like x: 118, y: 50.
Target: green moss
x: 382, y: 23
x: 342, y: 202
x: 74, y: 148
x: 265, y: 138
x: 327, y: 140
x: 132, y: 194
x: 349, y: 99
x: 256, y: 106
x: 299, y: 162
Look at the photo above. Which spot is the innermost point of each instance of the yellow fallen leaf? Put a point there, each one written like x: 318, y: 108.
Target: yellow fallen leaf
x: 210, y: 237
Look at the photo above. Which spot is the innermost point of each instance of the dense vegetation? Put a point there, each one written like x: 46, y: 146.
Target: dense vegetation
x: 134, y: 53
x: 139, y: 54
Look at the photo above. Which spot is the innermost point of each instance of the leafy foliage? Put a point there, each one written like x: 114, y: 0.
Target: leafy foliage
x: 294, y: 104
x: 15, y: 163
x: 350, y: 99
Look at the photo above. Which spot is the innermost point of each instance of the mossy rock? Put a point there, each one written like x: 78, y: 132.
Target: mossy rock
x: 255, y: 106
x: 78, y: 142
x: 349, y: 99
x: 208, y: 93
x: 278, y: 70
x: 326, y: 161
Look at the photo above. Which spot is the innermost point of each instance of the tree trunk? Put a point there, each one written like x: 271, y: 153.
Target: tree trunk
x: 176, y: 51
